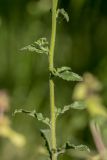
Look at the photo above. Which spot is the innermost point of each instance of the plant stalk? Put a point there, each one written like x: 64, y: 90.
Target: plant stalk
x: 51, y: 82
x: 98, y: 140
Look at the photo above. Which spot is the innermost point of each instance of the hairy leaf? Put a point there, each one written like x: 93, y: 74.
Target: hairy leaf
x: 63, y: 69
x: 40, y: 46
x: 46, y: 136
x: 63, y: 13
x: 80, y: 105
x: 33, y: 113
x: 68, y: 146
x: 66, y: 74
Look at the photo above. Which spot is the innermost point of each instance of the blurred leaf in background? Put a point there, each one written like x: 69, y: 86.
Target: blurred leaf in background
x: 5, y: 129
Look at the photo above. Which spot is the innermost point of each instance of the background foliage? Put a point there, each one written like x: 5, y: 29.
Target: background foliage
x: 81, y: 44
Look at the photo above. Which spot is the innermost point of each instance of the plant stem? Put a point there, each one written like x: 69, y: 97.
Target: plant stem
x: 51, y: 82
x: 98, y: 139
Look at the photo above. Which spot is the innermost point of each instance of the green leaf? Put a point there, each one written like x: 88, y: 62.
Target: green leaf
x: 65, y: 73
x: 46, y: 136
x: 40, y: 46
x: 30, y: 113
x: 33, y: 113
x: 63, y: 13
x: 68, y: 146
x: 63, y: 69
x: 80, y: 105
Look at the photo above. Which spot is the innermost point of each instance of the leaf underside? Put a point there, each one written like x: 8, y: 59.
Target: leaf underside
x: 65, y: 73
x: 79, y: 105
x: 34, y: 114
x: 40, y: 46
x: 68, y: 146
x: 62, y: 12
x: 45, y: 134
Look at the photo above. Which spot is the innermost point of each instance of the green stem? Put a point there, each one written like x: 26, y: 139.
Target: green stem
x: 51, y: 82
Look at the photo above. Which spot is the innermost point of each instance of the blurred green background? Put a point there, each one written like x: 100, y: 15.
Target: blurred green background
x: 81, y: 44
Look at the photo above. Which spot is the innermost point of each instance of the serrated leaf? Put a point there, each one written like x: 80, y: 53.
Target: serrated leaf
x: 63, y: 13
x: 79, y: 105
x: 46, y: 136
x: 40, y: 46
x: 63, y: 69
x: 30, y: 113
x: 69, y: 76
x: 33, y: 113
x: 65, y: 73
x: 68, y: 146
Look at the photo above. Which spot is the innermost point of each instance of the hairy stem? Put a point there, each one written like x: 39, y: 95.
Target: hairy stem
x: 51, y: 82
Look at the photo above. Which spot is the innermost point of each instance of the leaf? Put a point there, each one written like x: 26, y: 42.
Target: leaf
x: 33, y: 113
x: 46, y: 136
x: 40, y: 46
x: 63, y: 13
x: 62, y: 69
x: 68, y: 146
x: 66, y: 74
x: 80, y: 105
